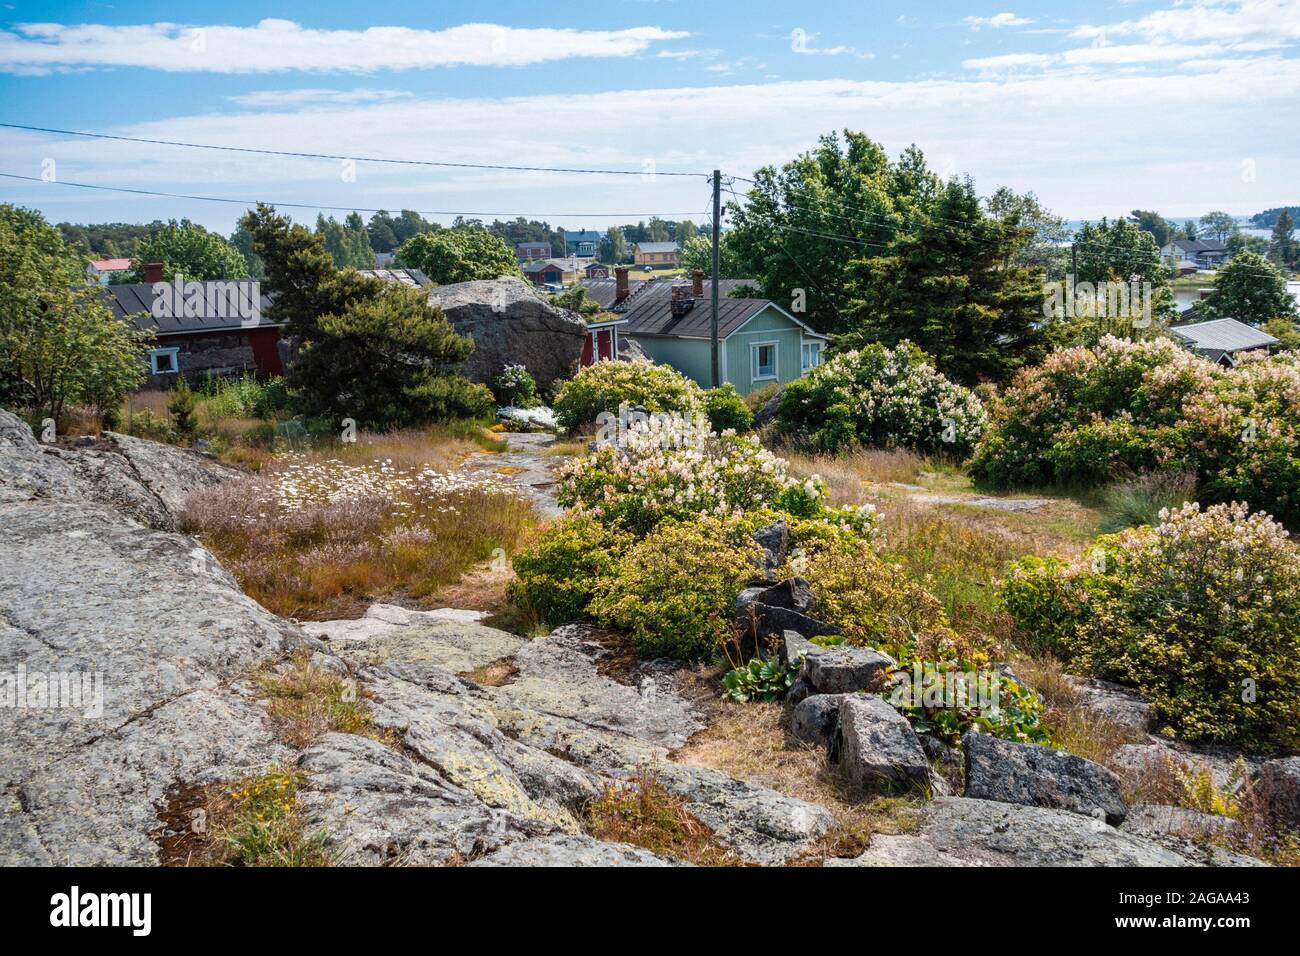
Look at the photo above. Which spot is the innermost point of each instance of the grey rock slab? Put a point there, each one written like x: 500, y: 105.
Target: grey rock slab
x: 843, y: 669
x: 569, y: 850
x: 1278, y: 782
x: 878, y: 748
x: 762, y: 621
x: 1039, y: 776
x: 442, y: 638
x: 171, y: 473
x: 1156, y: 820
x: 901, y: 850
x: 1114, y: 702
x: 774, y: 539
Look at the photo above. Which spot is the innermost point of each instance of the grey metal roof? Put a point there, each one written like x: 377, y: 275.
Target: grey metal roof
x: 135, y: 300
x: 581, y: 235
x: 654, y: 317
x: 411, y: 277
x: 1223, y: 335
x: 656, y: 246
x: 1199, y: 245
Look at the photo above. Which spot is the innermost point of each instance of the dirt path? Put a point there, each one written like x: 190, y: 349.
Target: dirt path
x: 526, y: 463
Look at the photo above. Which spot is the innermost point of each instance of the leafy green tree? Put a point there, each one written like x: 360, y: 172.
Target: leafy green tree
x: 697, y: 253
x: 242, y: 240
x: 1249, y: 289
x: 1161, y: 229
x: 685, y: 230
x: 575, y: 299
x: 384, y: 361
x: 1046, y: 232
x: 1189, y: 230
x: 1118, y: 251
x: 1244, y: 242
x: 1282, y: 246
x: 953, y: 292
x: 460, y: 255
x: 348, y: 243
x: 1219, y: 225
x: 613, y: 247
x: 1286, y: 331
x: 61, y: 344
x: 189, y: 251
x: 369, y: 350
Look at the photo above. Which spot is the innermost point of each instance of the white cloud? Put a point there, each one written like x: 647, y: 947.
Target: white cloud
x: 282, y: 45
x: 262, y: 99
x: 803, y: 42
x: 1220, y: 20
x: 1088, y: 143
x: 997, y: 21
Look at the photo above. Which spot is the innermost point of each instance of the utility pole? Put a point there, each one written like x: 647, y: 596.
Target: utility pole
x: 717, y: 227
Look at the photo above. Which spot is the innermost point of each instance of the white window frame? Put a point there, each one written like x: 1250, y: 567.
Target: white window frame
x: 754, y: 367
x: 174, y: 352
x: 807, y: 349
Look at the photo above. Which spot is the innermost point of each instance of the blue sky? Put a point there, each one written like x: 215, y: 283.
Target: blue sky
x: 1177, y: 105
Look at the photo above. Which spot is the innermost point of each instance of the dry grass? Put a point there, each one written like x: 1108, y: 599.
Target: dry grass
x: 749, y: 742
x: 644, y: 813
x: 1075, y: 727
x: 496, y: 674
x: 319, y: 537
x: 307, y: 702
x: 254, y: 821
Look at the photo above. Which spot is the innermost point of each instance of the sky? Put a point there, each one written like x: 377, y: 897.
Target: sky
x: 1181, y: 106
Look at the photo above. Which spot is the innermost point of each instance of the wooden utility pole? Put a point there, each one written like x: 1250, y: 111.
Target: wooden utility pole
x: 717, y: 228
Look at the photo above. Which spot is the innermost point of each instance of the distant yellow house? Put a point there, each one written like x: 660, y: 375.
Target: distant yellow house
x: 656, y: 255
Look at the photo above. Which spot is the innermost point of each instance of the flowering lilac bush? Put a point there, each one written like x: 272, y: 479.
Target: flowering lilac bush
x: 885, y: 398
x: 1200, y: 613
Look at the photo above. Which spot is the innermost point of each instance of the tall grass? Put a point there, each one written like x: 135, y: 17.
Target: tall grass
x: 1139, y: 501
x: 317, y: 537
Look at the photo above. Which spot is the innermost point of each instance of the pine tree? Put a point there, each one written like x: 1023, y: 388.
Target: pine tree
x: 1282, y: 247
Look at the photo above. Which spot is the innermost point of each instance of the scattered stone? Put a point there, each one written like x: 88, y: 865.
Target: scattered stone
x: 792, y: 594
x: 775, y: 542
x: 1114, y: 702
x: 843, y: 669
x: 762, y: 621
x: 814, y: 719
x: 512, y: 325
x: 768, y: 412
x: 1038, y: 776
x: 878, y: 748
x: 799, y: 691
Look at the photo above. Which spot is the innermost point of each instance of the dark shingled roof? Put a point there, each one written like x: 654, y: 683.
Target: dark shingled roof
x: 654, y: 317
x: 135, y: 301
x: 601, y: 291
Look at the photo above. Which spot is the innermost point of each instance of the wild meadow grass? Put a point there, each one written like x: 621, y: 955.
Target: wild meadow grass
x: 323, y: 534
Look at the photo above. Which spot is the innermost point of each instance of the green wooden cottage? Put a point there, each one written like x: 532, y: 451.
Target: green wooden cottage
x: 760, y: 343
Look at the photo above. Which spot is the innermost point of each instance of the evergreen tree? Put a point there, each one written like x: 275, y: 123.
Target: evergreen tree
x: 1282, y: 246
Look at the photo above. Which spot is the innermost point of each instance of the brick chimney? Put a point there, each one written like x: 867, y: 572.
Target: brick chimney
x: 621, y: 287
x: 697, y: 283
x: 153, y: 272
x: 683, y: 301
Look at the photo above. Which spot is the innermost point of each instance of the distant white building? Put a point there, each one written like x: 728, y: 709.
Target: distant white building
x: 102, y: 270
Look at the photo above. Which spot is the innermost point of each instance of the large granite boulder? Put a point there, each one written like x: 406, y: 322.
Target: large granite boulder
x: 1278, y: 782
x: 512, y: 325
x: 1037, y: 776
x: 814, y: 720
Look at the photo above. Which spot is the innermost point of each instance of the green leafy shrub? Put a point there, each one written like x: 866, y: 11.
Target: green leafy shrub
x: 943, y: 700
x: 244, y: 396
x: 1089, y: 415
x: 606, y: 385
x: 882, y: 398
x: 758, y: 680
x: 1139, y: 501
x: 675, y: 590
x: 515, y: 387
x: 727, y: 410
x: 562, y: 569
x: 1199, y: 613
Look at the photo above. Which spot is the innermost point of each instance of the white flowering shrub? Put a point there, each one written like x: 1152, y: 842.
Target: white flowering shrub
x: 1200, y: 613
x: 884, y: 398
x: 675, y: 468
x: 515, y: 388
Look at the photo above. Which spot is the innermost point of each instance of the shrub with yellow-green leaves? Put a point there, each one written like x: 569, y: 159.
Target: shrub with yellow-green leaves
x: 606, y: 385
x: 1201, y: 614
x: 675, y: 590
x: 561, y: 570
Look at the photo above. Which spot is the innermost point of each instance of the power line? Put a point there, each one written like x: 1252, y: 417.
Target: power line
x: 295, y: 205
x: 340, y: 156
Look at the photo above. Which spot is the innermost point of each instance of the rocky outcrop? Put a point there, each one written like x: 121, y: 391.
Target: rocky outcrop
x: 815, y: 719
x: 1033, y: 775
x: 959, y: 831
x: 877, y: 748
x: 512, y: 325
x: 572, y: 851
x: 1278, y: 783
